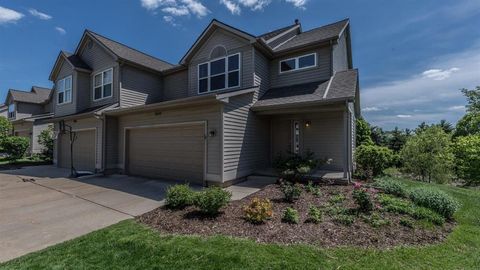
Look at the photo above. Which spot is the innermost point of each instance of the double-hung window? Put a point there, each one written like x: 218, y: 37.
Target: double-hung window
x: 102, y: 84
x: 11, y: 111
x: 64, y: 90
x: 219, y: 74
x: 298, y: 63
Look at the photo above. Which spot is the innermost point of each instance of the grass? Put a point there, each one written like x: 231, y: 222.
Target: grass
x: 23, y: 161
x: 129, y: 245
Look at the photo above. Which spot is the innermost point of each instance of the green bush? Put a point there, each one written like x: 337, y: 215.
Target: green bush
x: 419, y: 212
x: 295, y: 167
x: 15, y: 147
x: 436, y: 200
x: 45, y: 139
x: 467, y: 158
x: 258, y: 210
x: 407, y: 222
x: 5, y: 129
x: 291, y: 191
x: 337, y: 198
x: 344, y: 219
x: 391, y: 186
x: 290, y: 215
x: 372, y: 160
x: 394, y: 205
x: 376, y: 220
x: 363, y: 199
x: 314, y: 214
x: 211, y: 199
x: 179, y: 196
x: 310, y: 187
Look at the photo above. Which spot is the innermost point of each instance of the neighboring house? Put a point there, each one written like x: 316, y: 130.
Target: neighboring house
x: 233, y: 103
x: 4, y: 110
x: 29, y: 112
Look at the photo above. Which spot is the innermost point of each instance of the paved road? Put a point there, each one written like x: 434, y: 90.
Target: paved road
x: 52, y: 208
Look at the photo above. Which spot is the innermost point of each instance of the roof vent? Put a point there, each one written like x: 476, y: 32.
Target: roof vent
x: 297, y: 21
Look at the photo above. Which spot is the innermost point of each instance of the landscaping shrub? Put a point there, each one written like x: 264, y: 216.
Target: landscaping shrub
x: 295, y: 167
x: 376, y: 220
x: 210, y: 200
x: 5, y: 129
x: 419, y: 212
x: 15, y: 147
x: 314, y: 214
x: 258, y: 211
x: 290, y: 215
x: 337, y: 198
x: 344, y: 219
x: 467, y: 158
x: 394, y: 205
x: 337, y: 210
x: 391, y: 186
x: 291, y: 191
x: 313, y: 189
x: 363, y: 199
x: 406, y: 222
x: 179, y: 196
x: 372, y: 160
x: 45, y: 139
x: 436, y: 200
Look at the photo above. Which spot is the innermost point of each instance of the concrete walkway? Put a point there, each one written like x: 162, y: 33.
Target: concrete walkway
x: 37, y: 211
x: 252, y: 185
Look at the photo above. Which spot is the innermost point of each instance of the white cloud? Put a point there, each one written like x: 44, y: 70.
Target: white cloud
x: 9, y: 15
x: 439, y: 74
x: 404, y: 115
x: 177, y: 7
x: 170, y: 20
x: 457, y: 108
x: 435, y: 98
x: 60, y: 30
x: 298, y: 3
x: 255, y: 4
x: 234, y: 8
x: 371, y: 109
x: 40, y: 15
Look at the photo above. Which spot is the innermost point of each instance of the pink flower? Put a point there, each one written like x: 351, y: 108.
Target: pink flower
x: 357, y: 185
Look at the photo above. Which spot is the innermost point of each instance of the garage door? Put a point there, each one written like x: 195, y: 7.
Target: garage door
x: 83, y: 151
x: 173, y: 152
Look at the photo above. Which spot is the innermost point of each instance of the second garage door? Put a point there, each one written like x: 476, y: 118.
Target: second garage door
x: 171, y: 152
x: 83, y: 151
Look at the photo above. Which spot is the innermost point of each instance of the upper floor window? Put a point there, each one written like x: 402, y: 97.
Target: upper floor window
x: 103, y: 84
x: 11, y: 111
x: 64, y: 90
x: 219, y: 74
x: 298, y: 63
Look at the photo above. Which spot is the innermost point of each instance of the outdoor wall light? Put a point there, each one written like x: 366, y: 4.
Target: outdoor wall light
x: 212, y: 133
x: 308, y: 123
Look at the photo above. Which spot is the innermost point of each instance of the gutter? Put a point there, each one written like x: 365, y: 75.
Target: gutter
x: 296, y: 105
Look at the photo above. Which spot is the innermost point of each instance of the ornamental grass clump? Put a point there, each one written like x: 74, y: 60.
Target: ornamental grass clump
x: 258, y: 211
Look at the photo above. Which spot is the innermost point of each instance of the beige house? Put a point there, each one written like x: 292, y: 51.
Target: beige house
x: 29, y: 113
x: 231, y: 105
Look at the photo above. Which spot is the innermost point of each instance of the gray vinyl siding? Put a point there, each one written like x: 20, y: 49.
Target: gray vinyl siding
x: 99, y: 59
x: 340, y: 58
x: 234, y: 45
x: 209, y: 113
x: 24, y: 110
x: 319, y: 73
x: 83, y: 86
x: 36, y: 130
x: 66, y: 108
x: 245, y: 139
x: 175, y: 85
x: 283, y: 39
x: 262, y: 75
x: 139, y: 87
x: 111, y: 142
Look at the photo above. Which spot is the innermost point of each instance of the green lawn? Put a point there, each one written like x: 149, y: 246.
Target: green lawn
x: 128, y: 245
x: 26, y: 161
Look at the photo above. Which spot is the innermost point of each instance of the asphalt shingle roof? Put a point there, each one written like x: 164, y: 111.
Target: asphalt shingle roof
x: 315, y: 35
x: 38, y: 95
x: 76, y: 61
x: 132, y: 55
x: 343, y: 85
x: 276, y: 32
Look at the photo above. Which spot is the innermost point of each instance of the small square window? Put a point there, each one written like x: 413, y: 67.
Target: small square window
x: 203, y: 71
x: 306, y: 61
x: 287, y: 65
x: 98, y: 92
x: 234, y: 79
x: 233, y: 62
x: 203, y: 85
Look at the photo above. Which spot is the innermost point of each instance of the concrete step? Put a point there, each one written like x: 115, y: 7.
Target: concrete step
x: 266, y: 180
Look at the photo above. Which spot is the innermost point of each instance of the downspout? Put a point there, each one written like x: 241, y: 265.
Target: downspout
x: 102, y: 118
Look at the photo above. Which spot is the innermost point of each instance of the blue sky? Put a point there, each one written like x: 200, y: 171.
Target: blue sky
x: 413, y: 56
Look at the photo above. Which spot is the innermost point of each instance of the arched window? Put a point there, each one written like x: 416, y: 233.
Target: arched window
x: 218, y: 51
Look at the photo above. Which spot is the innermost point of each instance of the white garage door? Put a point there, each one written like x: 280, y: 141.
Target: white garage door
x: 173, y: 152
x: 83, y: 151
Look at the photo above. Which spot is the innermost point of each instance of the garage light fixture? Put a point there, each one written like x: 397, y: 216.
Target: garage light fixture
x: 308, y: 123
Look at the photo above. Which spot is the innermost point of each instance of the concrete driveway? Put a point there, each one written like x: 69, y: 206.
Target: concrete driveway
x: 40, y: 206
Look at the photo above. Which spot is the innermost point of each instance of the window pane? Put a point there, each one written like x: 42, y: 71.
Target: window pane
x: 306, y: 61
x: 203, y: 85
x: 11, y: 108
x: 61, y: 86
x: 233, y: 62
x: 107, y: 76
x: 98, y: 79
x: 107, y: 90
x: 287, y: 65
x: 217, y: 82
x: 68, y: 83
x: 98, y: 92
x: 60, y: 97
x: 203, y: 72
x: 233, y: 79
x: 68, y: 96
x: 217, y: 67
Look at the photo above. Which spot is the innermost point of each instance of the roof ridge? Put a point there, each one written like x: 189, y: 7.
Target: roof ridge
x: 326, y: 25
x: 146, y: 54
x: 281, y: 29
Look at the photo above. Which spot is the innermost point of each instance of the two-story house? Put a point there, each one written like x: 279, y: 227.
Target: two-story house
x: 233, y: 103
x: 29, y: 113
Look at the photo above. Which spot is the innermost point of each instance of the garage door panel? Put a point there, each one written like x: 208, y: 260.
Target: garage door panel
x: 83, y: 151
x: 173, y: 152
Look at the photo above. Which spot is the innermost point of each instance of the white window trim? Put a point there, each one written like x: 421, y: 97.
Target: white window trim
x: 297, y: 68
x: 102, y: 85
x: 226, y: 74
x: 71, y: 90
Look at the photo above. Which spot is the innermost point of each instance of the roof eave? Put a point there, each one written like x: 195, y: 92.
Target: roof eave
x: 300, y: 104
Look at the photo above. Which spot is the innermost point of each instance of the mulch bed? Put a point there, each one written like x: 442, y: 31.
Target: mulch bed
x: 230, y: 222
